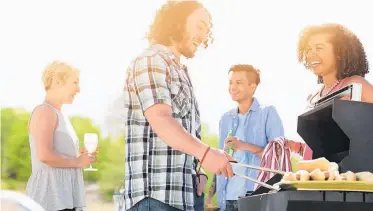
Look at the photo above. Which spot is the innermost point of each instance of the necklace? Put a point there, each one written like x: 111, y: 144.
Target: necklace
x: 325, y: 92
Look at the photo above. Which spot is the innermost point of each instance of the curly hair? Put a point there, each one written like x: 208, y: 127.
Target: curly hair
x: 348, y: 50
x: 170, y: 20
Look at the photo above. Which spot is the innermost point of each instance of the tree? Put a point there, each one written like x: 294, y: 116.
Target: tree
x: 112, y: 169
x: 15, y: 155
x: 213, y: 141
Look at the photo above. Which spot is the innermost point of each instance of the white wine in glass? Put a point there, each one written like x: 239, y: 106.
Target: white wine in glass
x: 90, y: 143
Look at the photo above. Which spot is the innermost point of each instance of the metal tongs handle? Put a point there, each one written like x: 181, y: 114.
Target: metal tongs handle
x: 258, y: 182
x: 258, y: 168
x: 255, y: 180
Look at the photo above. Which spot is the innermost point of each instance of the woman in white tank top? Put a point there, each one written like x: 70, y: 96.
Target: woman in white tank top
x: 56, y: 182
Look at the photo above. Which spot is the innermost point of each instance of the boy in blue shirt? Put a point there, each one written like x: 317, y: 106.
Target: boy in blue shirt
x: 252, y: 126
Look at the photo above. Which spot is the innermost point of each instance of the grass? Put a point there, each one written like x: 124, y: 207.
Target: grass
x: 8, y: 184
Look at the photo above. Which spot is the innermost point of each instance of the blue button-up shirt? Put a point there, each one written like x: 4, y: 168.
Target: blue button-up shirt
x: 258, y: 126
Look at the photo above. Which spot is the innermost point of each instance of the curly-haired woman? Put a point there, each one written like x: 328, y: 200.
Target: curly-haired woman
x: 337, y: 57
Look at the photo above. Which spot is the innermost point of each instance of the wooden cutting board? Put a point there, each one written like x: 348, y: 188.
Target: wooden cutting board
x: 360, y: 186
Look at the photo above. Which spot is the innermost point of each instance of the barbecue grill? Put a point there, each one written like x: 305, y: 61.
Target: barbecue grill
x: 342, y: 132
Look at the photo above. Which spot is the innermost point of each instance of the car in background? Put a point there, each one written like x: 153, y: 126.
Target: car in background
x: 17, y: 201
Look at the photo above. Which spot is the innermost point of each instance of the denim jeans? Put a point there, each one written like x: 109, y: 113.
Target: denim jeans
x: 199, y: 201
x: 231, y: 205
x: 148, y: 204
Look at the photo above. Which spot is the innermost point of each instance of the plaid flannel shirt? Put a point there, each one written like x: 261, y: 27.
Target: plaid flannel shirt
x: 152, y: 168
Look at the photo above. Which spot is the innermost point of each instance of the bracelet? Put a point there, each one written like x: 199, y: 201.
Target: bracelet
x: 204, y: 155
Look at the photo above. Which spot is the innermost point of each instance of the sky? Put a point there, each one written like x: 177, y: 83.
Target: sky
x: 100, y: 38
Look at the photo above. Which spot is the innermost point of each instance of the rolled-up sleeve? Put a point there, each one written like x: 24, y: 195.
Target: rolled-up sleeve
x: 274, y: 127
x: 151, y: 79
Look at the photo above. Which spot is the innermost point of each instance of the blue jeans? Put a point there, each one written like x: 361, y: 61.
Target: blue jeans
x: 199, y: 201
x: 231, y: 205
x: 148, y: 204
x: 153, y: 204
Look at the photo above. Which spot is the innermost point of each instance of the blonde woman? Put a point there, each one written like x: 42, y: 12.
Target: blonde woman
x: 56, y: 182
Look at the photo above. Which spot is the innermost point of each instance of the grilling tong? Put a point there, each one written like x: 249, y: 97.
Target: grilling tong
x: 261, y: 169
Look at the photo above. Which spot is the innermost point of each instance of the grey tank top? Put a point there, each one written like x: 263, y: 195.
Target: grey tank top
x: 56, y: 188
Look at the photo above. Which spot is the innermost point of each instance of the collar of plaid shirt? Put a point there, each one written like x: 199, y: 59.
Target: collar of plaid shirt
x: 153, y: 169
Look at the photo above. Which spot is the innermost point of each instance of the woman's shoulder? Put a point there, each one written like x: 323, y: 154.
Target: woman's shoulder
x: 42, y: 117
x: 44, y: 112
x: 356, y: 79
x: 367, y: 88
x: 44, y: 109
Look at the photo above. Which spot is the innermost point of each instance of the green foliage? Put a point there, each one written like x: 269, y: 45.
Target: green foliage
x: 212, y: 141
x: 112, y: 170
x: 15, y: 149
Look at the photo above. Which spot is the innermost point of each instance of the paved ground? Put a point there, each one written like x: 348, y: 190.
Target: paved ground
x: 95, y: 202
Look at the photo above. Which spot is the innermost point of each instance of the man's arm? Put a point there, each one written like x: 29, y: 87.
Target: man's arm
x: 151, y: 83
x: 274, y: 129
x: 171, y: 132
x: 256, y: 150
x: 151, y: 79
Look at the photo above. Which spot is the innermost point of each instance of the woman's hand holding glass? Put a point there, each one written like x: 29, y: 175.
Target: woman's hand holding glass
x: 90, y: 146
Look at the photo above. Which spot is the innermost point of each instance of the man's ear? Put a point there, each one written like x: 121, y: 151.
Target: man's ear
x: 254, y: 86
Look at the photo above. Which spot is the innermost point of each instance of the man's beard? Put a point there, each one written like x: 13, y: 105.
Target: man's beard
x: 185, y: 49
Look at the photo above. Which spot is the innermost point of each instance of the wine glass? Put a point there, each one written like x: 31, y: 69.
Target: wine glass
x: 90, y: 143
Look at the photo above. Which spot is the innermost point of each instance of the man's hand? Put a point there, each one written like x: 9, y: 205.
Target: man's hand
x: 217, y: 162
x: 235, y: 142
x: 244, y: 146
x: 201, y: 184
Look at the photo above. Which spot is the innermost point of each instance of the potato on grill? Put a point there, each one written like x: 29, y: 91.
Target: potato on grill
x: 302, y: 175
x: 364, y: 176
x: 322, y: 170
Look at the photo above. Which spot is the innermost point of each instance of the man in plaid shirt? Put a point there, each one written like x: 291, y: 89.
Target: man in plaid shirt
x: 163, y: 124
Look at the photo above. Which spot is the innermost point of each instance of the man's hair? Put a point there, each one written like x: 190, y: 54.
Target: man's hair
x: 170, y: 20
x: 348, y: 50
x: 252, y: 72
